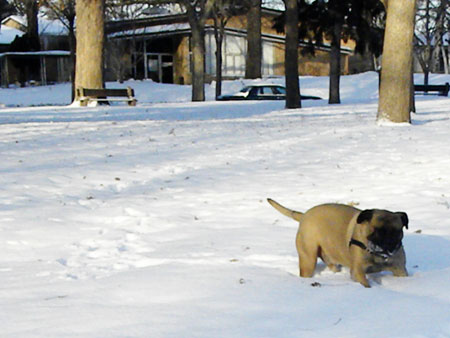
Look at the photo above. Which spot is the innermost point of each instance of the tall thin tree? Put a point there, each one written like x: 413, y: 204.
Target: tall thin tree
x: 337, y: 22
x: 220, y: 17
x: 32, y: 10
x: 197, y: 13
x: 222, y: 11
x: 291, y: 55
x: 253, y: 62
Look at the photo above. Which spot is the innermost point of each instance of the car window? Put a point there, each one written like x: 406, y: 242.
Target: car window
x: 244, y: 90
x: 279, y: 90
x: 254, y: 91
x: 266, y: 91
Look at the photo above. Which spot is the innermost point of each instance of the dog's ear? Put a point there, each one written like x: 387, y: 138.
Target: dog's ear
x: 365, y: 215
x: 404, y: 218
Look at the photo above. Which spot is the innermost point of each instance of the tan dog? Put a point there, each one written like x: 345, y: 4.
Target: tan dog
x: 365, y: 241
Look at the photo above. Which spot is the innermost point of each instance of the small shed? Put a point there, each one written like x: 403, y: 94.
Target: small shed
x: 40, y: 68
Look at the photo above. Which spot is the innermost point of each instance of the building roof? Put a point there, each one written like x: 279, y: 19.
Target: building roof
x: 39, y: 53
x: 153, y: 30
x: 46, y: 26
x: 124, y: 25
x: 8, y: 34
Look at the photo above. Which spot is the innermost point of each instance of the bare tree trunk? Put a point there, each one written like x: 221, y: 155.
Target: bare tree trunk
x: 335, y: 63
x: 448, y: 56
x: 219, y: 70
x: 90, y: 39
x: 428, y: 48
x: 197, y: 12
x: 219, y: 32
x: 426, y: 76
x: 423, y: 59
x: 198, y: 64
x: 412, y: 98
x: 253, y: 64
x: 395, y: 89
x: 72, y: 46
x: 444, y: 58
x: 291, y: 56
x: 32, y: 9
x: 440, y: 32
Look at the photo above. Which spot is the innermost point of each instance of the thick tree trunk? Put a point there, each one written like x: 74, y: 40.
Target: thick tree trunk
x: 197, y: 12
x: 291, y: 56
x: 395, y: 89
x: 335, y: 64
x: 253, y: 64
x: 198, y: 64
x: 90, y: 39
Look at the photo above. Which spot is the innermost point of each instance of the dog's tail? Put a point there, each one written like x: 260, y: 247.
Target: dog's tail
x: 297, y: 215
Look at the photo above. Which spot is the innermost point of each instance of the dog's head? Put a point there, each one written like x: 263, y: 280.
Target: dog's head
x: 385, y: 230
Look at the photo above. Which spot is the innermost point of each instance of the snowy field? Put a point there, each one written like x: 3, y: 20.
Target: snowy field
x: 151, y: 221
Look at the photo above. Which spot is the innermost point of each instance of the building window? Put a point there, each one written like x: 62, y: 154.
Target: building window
x: 268, y: 58
x: 234, y: 50
x: 234, y: 55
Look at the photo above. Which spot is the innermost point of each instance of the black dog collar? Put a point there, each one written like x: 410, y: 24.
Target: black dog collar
x: 357, y: 243
x: 382, y: 254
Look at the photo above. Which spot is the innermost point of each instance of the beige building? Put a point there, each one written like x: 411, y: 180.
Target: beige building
x: 158, y: 48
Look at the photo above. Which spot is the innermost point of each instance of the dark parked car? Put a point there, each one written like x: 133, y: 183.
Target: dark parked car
x: 262, y: 92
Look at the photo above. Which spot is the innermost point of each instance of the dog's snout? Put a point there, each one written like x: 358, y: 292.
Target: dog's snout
x: 387, y: 239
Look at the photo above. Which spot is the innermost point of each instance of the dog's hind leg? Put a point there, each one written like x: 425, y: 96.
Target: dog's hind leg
x: 307, y: 256
x: 307, y: 265
x: 308, y: 252
x: 333, y: 267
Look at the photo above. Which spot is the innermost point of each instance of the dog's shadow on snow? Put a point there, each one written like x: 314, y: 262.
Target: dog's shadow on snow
x: 426, y: 253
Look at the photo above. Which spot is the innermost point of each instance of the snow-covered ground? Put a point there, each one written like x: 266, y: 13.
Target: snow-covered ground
x: 151, y: 221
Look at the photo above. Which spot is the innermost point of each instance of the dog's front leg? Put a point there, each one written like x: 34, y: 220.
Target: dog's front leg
x: 399, y: 266
x: 358, y: 266
x: 399, y: 271
x: 359, y: 275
